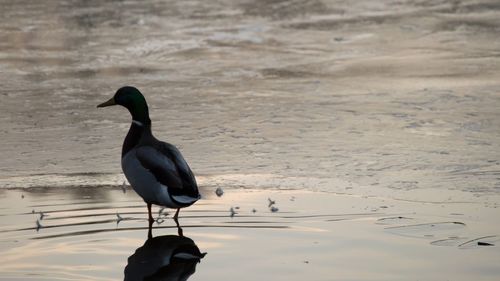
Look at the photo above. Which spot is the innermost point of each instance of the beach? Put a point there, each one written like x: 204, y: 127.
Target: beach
x: 372, y: 125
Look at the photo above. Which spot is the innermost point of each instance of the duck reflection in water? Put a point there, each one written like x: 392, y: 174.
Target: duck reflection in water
x: 168, y: 257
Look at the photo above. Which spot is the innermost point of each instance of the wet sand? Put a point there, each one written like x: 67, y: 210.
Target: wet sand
x: 312, y: 236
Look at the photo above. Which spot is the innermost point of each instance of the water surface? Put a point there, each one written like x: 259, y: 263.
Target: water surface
x: 373, y: 124
x: 312, y: 236
x: 384, y: 97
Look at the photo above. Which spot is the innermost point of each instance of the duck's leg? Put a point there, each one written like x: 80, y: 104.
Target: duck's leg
x: 176, y: 216
x: 151, y: 220
x: 176, y: 219
x: 150, y: 230
x: 179, y: 231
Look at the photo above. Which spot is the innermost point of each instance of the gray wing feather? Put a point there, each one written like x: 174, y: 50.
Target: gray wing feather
x: 162, y: 167
x: 187, y: 176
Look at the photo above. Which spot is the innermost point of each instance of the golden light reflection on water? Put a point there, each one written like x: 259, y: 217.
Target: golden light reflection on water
x: 317, y: 234
x: 395, y: 103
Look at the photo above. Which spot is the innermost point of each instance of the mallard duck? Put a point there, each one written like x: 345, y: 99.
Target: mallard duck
x: 156, y: 170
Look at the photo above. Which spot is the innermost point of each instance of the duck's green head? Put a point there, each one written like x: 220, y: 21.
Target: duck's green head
x: 133, y: 100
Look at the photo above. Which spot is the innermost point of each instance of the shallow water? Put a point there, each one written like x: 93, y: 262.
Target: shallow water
x: 363, y: 97
x: 312, y: 236
x: 380, y: 118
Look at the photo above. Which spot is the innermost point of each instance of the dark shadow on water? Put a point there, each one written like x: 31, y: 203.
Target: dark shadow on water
x: 168, y: 257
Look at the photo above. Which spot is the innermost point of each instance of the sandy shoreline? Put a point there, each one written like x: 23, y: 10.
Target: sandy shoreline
x: 313, y: 236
